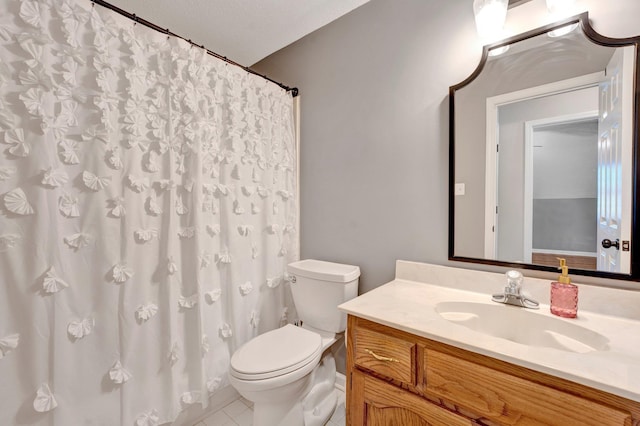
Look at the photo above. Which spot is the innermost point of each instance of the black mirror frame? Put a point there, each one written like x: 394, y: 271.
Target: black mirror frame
x: 591, y: 34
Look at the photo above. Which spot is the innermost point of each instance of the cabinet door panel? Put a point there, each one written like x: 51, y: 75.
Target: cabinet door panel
x: 391, y: 416
x: 507, y: 399
x: 388, y: 405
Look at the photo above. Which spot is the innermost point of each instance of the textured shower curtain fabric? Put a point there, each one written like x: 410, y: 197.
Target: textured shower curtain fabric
x: 147, y: 215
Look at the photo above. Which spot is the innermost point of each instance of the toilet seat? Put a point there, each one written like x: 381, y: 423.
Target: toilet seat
x: 276, y: 353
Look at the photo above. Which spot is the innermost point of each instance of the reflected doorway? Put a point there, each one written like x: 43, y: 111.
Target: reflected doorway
x: 561, y: 190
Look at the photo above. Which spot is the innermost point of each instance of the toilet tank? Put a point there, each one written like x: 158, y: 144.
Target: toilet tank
x: 319, y: 288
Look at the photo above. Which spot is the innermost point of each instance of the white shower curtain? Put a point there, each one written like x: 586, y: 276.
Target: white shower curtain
x: 147, y: 214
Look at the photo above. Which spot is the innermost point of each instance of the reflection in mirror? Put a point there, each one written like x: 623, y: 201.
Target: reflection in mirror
x: 561, y: 191
x: 557, y: 183
x: 542, y: 153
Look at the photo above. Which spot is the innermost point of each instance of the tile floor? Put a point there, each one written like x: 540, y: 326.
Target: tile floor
x: 240, y: 413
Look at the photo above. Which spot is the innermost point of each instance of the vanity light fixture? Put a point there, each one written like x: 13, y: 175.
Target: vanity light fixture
x: 496, y: 51
x: 560, y: 9
x: 562, y: 30
x: 490, y: 16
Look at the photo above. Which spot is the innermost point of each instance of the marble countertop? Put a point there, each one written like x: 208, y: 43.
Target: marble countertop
x: 411, y: 306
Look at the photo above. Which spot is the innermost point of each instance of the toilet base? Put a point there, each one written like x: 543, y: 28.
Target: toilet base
x: 280, y: 406
x: 309, y: 401
x: 321, y: 400
x: 294, y: 414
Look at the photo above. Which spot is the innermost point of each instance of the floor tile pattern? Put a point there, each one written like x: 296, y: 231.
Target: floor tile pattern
x: 240, y: 413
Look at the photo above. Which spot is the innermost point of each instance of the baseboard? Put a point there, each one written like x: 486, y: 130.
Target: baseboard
x: 341, y: 381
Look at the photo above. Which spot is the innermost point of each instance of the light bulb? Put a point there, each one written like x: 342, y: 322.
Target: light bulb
x: 562, y: 30
x: 560, y: 9
x: 497, y: 51
x: 490, y: 16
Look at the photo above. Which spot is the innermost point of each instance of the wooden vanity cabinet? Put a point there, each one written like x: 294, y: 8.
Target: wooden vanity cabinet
x: 397, y: 378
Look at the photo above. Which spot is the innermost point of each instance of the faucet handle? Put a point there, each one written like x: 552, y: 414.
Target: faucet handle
x: 512, y: 292
x: 514, y: 282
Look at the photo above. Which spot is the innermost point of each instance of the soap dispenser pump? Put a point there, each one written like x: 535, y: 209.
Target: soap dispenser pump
x: 564, y: 295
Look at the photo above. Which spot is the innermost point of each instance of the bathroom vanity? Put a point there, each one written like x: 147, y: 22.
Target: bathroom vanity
x: 420, y: 353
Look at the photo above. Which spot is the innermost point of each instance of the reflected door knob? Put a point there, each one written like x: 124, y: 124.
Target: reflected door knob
x: 606, y: 243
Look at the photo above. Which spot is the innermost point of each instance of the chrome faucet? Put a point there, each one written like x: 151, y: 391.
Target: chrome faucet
x: 513, y: 293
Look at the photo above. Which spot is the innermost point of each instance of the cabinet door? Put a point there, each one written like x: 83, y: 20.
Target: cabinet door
x: 377, y: 403
x: 507, y: 399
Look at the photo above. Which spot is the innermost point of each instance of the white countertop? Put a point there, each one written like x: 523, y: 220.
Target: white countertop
x: 410, y: 306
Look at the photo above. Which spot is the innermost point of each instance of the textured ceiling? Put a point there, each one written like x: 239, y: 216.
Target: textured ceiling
x: 245, y: 31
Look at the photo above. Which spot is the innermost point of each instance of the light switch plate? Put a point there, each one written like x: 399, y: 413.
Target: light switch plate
x: 458, y: 189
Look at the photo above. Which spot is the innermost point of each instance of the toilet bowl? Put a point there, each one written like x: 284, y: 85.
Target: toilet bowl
x: 274, y: 370
x: 289, y: 373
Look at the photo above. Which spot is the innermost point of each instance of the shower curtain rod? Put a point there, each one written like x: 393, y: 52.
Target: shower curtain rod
x: 137, y: 19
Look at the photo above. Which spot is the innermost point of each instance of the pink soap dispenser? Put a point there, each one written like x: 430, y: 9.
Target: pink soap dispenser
x: 564, y: 295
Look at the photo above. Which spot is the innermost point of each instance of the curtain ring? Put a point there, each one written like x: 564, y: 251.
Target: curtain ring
x: 168, y: 35
x: 135, y: 19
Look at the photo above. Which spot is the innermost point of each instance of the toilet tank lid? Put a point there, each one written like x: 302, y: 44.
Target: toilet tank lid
x: 326, y: 271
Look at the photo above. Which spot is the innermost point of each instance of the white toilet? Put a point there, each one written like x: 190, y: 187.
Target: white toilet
x: 289, y: 373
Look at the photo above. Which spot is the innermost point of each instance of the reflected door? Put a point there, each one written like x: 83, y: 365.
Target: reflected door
x: 614, y: 139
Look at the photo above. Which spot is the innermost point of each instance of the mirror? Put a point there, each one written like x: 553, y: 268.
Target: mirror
x: 543, y: 153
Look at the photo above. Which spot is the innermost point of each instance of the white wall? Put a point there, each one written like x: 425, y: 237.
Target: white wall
x: 565, y: 163
x: 374, y: 138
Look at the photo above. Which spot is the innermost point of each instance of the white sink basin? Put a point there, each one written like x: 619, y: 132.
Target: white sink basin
x: 523, y: 326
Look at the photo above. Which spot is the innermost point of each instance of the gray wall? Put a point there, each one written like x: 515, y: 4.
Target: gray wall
x: 565, y: 224
x: 374, y: 146
x: 374, y: 138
